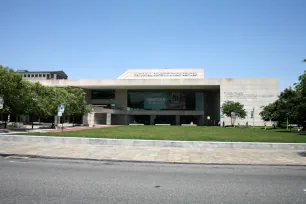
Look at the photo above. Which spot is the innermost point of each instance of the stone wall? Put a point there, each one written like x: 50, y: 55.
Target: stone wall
x: 252, y: 93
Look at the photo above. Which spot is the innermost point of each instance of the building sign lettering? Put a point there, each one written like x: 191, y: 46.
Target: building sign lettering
x: 164, y: 74
x: 241, y: 95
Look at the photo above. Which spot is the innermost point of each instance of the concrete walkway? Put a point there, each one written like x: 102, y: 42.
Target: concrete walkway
x: 155, y: 154
x: 78, y: 128
x: 66, y: 129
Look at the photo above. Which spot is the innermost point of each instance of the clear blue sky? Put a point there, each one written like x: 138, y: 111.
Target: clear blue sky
x: 102, y: 38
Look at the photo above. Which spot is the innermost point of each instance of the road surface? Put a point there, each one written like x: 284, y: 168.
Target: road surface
x: 74, y: 181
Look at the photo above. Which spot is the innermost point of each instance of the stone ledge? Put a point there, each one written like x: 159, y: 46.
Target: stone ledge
x: 153, y: 143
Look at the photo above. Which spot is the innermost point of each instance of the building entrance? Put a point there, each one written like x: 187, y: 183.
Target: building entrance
x: 142, y: 119
x: 165, y: 119
x: 188, y: 119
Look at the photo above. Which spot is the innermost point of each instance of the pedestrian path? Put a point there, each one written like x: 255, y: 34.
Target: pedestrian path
x: 77, y: 128
x: 155, y: 154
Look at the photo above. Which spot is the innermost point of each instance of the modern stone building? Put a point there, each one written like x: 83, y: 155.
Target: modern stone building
x: 170, y: 96
x: 42, y: 75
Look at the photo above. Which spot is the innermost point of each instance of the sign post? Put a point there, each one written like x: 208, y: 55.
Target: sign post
x: 61, y: 109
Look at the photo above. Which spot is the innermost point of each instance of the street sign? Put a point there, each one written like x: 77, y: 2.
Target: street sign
x: 1, y: 102
x: 59, y: 114
x: 61, y: 108
x: 221, y: 115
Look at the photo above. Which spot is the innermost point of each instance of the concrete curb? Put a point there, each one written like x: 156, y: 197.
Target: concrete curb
x: 144, y: 162
x: 153, y: 143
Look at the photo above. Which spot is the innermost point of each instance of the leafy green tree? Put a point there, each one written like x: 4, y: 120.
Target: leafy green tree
x: 229, y: 107
x: 270, y: 112
x: 11, y: 89
x: 291, y: 105
x: 34, y: 97
x: 28, y: 98
x: 284, y: 109
x: 75, y: 102
x: 301, y: 105
x: 288, y: 100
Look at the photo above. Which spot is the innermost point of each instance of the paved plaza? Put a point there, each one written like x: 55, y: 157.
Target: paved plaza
x: 156, y: 154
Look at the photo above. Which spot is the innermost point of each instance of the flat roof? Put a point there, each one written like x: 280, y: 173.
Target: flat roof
x: 163, y: 83
x: 54, y: 72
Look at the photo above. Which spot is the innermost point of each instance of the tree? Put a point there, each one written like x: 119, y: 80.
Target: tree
x: 301, y: 106
x: 35, y: 95
x: 270, y: 112
x: 75, y: 102
x: 290, y: 106
x: 27, y: 98
x: 11, y: 88
x: 229, y: 107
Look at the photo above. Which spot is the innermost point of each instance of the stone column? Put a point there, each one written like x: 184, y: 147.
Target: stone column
x: 177, y: 119
x: 89, y: 119
x: 108, y: 118
x: 152, y: 119
x: 85, y: 120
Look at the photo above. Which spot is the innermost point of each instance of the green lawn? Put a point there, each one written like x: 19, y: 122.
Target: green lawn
x: 188, y: 134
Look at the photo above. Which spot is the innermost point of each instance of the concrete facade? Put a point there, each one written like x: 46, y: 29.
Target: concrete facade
x: 252, y: 93
x: 42, y: 75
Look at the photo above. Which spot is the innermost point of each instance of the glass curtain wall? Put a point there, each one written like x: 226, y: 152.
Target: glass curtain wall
x: 165, y: 100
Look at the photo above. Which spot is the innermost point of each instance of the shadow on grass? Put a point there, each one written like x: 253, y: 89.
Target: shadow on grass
x: 267, y: 129
x: 292, y: 132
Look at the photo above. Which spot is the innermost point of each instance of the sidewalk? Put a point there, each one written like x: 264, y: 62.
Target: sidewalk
x: 66, y: 129
x: 155, y: 154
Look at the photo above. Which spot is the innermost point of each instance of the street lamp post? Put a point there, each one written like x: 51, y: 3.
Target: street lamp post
x: 253, y: 116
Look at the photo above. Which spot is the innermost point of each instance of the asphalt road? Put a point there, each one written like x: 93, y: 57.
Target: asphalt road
x: 69, y: 181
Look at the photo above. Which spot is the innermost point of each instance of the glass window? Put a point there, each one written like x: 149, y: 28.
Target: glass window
x: 162, y: 100
x: 44, y: 75
x: 103, y: 94
x: 36, y: 75
x: 29, y: 75
x: 39, y: 75
x: 24, y: 75
x: 51, y: 75
x: 32, y: 75
x: 47, y: 76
